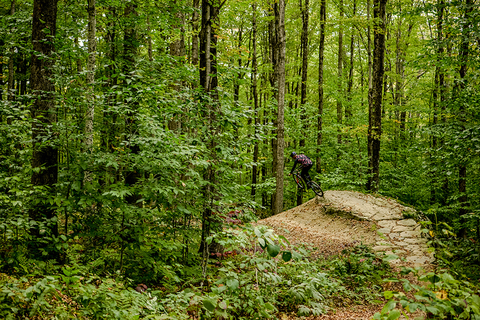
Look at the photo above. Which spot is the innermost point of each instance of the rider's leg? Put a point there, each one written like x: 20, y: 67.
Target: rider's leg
x: 306, y: 176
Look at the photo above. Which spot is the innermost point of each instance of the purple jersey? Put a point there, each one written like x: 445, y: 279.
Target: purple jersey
x: 303, y: 160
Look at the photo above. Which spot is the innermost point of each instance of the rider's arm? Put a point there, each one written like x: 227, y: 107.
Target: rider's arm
x: 294, y: 165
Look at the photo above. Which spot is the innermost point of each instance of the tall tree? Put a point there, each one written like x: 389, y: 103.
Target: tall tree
x: 340, y: 76
x: 375, y: 105
x: 195, y: 15
x: 304, y: 45
x: 209, y: 83
x: 348, y: 107
x: 280, y: 86
x: 462, y: 84
x: 92, y: 51
x: 45, y: 152
x: 321, y: 50
x: 255, y: 97
x: 130, y: 44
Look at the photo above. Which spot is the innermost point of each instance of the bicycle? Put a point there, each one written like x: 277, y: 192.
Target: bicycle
x: 302, y: 185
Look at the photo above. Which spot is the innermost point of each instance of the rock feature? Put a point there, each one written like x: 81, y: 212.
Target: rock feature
x: 400, y: 233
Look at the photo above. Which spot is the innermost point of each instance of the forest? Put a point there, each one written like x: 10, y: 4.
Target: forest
x: 141, y: 141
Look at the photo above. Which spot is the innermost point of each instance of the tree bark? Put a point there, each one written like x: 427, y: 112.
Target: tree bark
x: 348, y: 107
x: 321, y: 49
x: 280, y: 85
x: 462, y: 167
x: 132, y: 175
x: 255, y: 98
x: 92, y: 51
x: 304, y: 78
x: 209, y: 83
x: 375, y: 106
x: 45, y: 152
x: 196, y: 4
x: 340, y: 78
x: 11, y: 79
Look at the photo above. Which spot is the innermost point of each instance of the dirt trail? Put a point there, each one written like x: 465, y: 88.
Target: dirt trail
x: 343, y: 219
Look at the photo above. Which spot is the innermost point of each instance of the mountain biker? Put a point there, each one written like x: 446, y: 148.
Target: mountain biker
x: 305, y: 163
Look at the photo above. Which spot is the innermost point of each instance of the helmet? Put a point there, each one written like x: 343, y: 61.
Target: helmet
x: 293, y: 154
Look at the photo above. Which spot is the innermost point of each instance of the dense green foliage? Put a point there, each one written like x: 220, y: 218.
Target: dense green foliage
x: 192, y: 153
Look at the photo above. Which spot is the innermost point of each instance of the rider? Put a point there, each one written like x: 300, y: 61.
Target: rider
x: 306, y: 165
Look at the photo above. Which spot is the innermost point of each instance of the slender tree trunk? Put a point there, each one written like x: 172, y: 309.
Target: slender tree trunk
x: 280, y: 85
x: 109, y: 128
x: 132, y: 175
x: 375, y: 107
x: 462, y: 167
x: 44, y: 155
x: 348, y: 107
x: 255, y: 98
x: 2, y: 83
x: 11, y: 79
x: 196, y: 5
x: 340, y: 78
x: 321, y: 49
x: 92, y: 48
x: 303, y: 90
x: 272, y: 28
x: 209, y: 83
x: 236, y: 87
x: 149, y: 40
x: 177, y: 49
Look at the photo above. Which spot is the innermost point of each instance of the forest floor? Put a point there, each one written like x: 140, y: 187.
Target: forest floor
x: 343, y: 219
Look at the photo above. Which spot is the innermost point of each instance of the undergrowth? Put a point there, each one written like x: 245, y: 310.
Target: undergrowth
x: 258, y: 275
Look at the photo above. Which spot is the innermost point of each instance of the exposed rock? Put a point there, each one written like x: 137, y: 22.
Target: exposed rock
x: 407, y: 222
x: 345, y: 218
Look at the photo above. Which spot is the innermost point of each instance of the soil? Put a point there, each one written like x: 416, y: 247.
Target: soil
x: 343, y: 219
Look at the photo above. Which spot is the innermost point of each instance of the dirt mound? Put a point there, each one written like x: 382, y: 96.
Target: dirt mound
x: 343, y: 219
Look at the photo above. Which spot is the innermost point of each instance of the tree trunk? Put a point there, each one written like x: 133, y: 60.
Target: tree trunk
x: 255, y: 98
x: 321, y: 49
x: 340, y: 79
x: 280, y: 85
x: 236, y: 86
x: 11, y: 79
x: 149, y: 40
x: 92, y: 48
x: 209, y: 83
x: 272, y: 32
x: 348, y: 107
x: 462, y: 167
x: 132, y: 175
x: 303, y: 88
x: 375, y: 107
x: 196, y: 4
x: 45, y: 152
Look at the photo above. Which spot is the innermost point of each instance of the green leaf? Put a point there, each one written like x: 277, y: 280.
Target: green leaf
x: 412, y: 307
x: 432, y: 310
x: 233, y: 284
x: 286, y: 256
x: 388, y: 295
x: 389, y: 306
x: 390, y: 257
x: 257, y: 232
x: 262, y: 243
x: 273, y: 250
x: 269, y: 306
x: 394, y: 314
x: 210, y: 305
x: 297, y: 255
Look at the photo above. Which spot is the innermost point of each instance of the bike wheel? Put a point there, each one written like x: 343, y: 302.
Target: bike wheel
x: 316, y: 188
x: 302, y: 186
